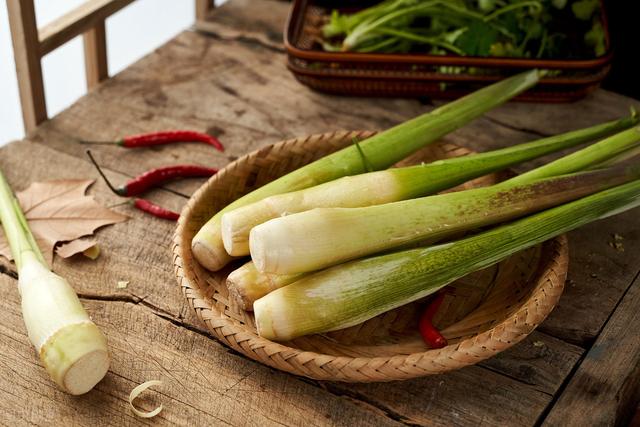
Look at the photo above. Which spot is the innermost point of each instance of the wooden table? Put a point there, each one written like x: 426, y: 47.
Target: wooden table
x: 580, y: 367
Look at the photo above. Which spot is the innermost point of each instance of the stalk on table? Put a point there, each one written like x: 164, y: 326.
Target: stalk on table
x: 72, y: 348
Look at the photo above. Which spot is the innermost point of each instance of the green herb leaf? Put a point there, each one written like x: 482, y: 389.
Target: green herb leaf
x: 503, y: 49
x: 477, y: 40
x: 515, y: 28
x: 487, y: 5
x: 336, y: 26
x: 584, y: 9
x: 559, y: 4
x: 595, y: 37
x: 452, y: 36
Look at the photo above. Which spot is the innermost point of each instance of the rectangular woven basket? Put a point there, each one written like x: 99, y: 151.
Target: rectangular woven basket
x: 420, y: 75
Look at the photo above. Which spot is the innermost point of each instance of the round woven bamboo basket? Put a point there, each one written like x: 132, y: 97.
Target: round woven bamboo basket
x: 482, y: 314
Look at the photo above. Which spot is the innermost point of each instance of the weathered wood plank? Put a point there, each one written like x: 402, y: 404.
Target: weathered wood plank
x: 540, y: 361
x: 605, y: 389
x: 599, y: 274
x: 474, y: 396
x: 488, y: 399
x: 204, y: 383
x: 260, y: 21
x: 555, y: 118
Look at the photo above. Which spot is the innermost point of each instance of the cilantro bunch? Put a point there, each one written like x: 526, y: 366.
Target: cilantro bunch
x: 506, y: 28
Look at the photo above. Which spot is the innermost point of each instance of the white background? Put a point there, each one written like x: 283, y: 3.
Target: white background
x: 131, y: 33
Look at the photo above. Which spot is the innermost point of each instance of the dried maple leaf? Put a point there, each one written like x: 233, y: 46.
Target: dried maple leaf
x: 59, y: 211
x: 77, y: 246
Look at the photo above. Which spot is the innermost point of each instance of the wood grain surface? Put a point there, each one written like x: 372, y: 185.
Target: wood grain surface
x: 233, y: 83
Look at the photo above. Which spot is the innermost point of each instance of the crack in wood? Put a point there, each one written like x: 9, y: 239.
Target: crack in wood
x: 8, y: 272
x: 520, y: 380
x: 247, y: 40
x: 587, y: 342
x: 177, y: 321
x: 583, y: 342
x: 157, y: 311
x: 131, y: 299
x: 361, y: 402
x: 362, y: 399
x: 163, y: 314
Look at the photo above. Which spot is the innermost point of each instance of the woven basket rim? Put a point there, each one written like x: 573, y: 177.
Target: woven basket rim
x: 234, y: 334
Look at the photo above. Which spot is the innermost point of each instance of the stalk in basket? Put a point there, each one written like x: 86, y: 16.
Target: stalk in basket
x: 381, y: 151
x: 351, y: 293
x: 71, y: 347
x: 247, y: 291
x: 343, y: 234
x: 247, y: 288
x: 247, y: 284
x: 329, y: 236
x: 320, y: 238
x: 396, y: 184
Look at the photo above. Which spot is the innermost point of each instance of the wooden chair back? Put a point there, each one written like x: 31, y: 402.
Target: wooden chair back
x: 31, y: 43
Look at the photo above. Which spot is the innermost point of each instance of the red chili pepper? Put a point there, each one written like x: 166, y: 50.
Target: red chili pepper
x: 155, y: 177
x: 159, y: 176
x: 430, y: 333
x: 155, y: 210
x: 161, y: 138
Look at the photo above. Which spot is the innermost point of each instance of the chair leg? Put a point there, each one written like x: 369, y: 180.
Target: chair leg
x: 203, y: 7
x: 26, y: 51
x: 95, y: 55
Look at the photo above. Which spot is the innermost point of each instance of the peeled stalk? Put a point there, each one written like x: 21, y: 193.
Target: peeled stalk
x: 350, y: 293
x: 72, y: 348
x: 247, y: 284
x: 320, y: 238
x: 381, y: 151
x: 396, y: 184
